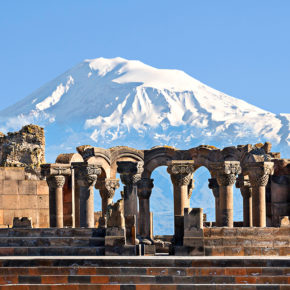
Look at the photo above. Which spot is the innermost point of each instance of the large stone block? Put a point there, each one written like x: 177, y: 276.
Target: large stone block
x: 10, y: 187
x: 27, y: 187
x: 42, y: 187
x: 28, y: 201
x: 14, y: 173
x: 42, y: 201
x: 112, y: 241
x: 8, y: 217
x: 1, y: 216
x: 2, y: 173
x: 43, y: 218
x: 10, y: 201
x: 115, y: 231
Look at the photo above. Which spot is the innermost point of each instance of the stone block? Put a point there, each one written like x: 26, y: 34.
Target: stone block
x: 121, y: 251
x: 8, y: 217
x: 189, y: 251
x: 112, y: 241
x: 42, y: 187
x: 149, y: 250
x: 193, y: 242
x: 27, y: 187
x: 10, y: 187
x: 14, y: 173
x: 193, y: 219
x: 10, y: 201
x: 1, y: 187
x: 2, y: 173
x: 42, y: 201
x: 22, y: 222
x: 28, y: 201
x: 115, y: 231
x: 213, y: 242
x: 1, y: 216
x: 234, y: 251
x: 43, y: 218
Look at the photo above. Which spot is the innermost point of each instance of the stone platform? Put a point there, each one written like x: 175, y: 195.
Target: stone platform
x: 144, y: 273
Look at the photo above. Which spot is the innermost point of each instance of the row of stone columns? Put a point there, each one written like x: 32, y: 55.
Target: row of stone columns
x: 252, y: 184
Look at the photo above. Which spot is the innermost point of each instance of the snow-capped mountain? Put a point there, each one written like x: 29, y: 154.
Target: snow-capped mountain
x: 109, y: 102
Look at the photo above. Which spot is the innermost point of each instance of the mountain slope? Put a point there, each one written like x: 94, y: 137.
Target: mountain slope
x: 109, y: 102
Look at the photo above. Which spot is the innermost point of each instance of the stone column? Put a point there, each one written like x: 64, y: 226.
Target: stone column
x: 259, y: 176
x: 225, y: 173
x: 213, y: 185
x: 246, y: 191
x: 86, y: 175
x: 145, y: 186
x: 130, y: 173
x: 56, y: 183
x: 107, y: 191
x: 181, y: 176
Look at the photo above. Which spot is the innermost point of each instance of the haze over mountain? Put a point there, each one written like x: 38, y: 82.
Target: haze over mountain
x: 110, y: 102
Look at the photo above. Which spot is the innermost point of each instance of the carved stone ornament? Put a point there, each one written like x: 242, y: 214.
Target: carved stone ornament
x: 145, y: 186
x: 108, y: 188
x: 56, y: 181
x: 87, y: 174
x: 181, y: 171
x: 225, y: 172
x: 259, y: 172
x: 55, y: 169
x: 130, y: 172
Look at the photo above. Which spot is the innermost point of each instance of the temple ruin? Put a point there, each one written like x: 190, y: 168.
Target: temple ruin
x: 61, y: 195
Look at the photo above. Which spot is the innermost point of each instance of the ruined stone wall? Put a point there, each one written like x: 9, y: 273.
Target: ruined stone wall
x: 20, y: 197
x: 25, y: 148
x: 22, y: 192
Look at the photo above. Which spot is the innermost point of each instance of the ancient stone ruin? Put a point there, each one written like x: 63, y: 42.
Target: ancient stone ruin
x: 47, y: 209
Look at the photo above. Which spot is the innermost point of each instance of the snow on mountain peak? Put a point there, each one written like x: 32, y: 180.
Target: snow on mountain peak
x: 134, y: 71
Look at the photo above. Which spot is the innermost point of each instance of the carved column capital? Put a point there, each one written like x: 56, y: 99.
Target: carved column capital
x: 87, y: 174
x: 108, y: 187
x: 181, y: 171
x: 225, y: 172
x: 259, y: 172
x: 130, y: 172
x: 145, y: 186
x: 56, y: 181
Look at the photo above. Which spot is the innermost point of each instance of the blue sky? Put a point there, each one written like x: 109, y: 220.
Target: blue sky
x: 239, y: 47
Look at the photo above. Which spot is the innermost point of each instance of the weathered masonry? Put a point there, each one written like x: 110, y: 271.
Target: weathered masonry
x: 126, y: 226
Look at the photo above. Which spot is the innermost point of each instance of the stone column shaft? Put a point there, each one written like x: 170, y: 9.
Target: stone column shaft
x: 259, y: 175
x: 225, y: 173
x: 86, y: 175
x: 56, y: 183
x: 145, y: 186
x: 213, y: 185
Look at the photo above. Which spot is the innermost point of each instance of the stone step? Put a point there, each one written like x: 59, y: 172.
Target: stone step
x: 117, y: 261
x: 140, y: 279
x: 90, y: 286
x: 51, y: 241
x: 246, y: 251
x: 151, y: 271
x: 52, y: 251
x: 53, y: 232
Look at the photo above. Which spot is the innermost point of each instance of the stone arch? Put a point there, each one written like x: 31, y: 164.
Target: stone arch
x: 124, y: 153
x: 158, y: 156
